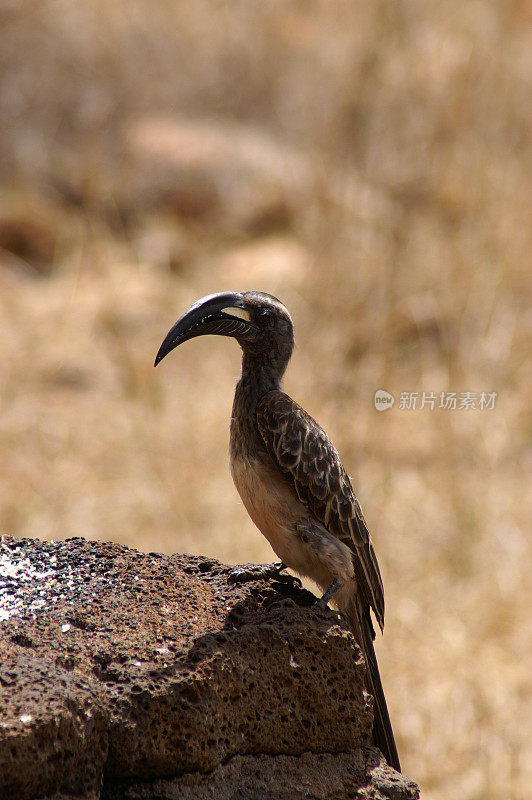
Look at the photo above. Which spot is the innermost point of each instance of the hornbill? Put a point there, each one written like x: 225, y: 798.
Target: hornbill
x: 290, y: 476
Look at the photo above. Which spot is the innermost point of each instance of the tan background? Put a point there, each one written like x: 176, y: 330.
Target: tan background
x: 368, y: 163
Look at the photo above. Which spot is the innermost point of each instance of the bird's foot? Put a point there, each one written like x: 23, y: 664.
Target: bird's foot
x: 321, y: 604
x: 256, y: 572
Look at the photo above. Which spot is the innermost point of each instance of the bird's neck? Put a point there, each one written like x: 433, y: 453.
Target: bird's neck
x: 259, y: 376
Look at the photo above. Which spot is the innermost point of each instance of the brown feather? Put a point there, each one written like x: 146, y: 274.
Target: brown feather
x: 307, y: 458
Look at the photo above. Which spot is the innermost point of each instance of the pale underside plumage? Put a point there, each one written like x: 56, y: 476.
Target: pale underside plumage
x: 304, y: 454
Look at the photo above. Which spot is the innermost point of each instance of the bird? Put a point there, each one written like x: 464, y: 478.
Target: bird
x: 290, y: 476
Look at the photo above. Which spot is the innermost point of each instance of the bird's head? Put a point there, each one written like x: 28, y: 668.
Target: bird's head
x: 259, y: 322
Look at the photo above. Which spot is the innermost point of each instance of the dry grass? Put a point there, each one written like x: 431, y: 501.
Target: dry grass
x: 369, y: 164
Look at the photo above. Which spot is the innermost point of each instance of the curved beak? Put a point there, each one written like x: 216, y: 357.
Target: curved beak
x: 224, y: 314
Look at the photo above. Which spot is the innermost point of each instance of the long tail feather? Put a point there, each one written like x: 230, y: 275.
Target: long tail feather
x: 382, y: 727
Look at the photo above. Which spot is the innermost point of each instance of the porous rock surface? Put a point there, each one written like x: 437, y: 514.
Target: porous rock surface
x: 132, y: 675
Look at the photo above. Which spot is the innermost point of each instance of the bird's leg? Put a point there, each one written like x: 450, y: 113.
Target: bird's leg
x: 333, y: 588
x: 256, y: 572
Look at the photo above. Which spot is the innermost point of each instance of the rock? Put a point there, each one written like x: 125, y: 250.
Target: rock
x: 52, y: 724
x: 321, y: 776
x: 131, y: 675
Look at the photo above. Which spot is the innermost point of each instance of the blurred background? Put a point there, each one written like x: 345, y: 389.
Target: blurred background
x: 369, y: 164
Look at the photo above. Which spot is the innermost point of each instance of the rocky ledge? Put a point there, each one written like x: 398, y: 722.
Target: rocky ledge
x: 133, y: 675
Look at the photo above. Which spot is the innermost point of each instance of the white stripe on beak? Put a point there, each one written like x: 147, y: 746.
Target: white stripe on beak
x: 241, y: 313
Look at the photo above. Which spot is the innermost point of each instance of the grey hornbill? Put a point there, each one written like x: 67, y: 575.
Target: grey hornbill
x: 290, y: 476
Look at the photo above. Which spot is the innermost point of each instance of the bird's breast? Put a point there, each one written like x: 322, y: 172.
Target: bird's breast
x: 272, y: 505
x: 299, y: 540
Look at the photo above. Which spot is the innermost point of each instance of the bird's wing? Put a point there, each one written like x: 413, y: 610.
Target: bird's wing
x: 304, y: 454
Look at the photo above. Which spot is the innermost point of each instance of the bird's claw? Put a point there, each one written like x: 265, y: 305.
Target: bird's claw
x: 255, y: 572
x: 322, y: 605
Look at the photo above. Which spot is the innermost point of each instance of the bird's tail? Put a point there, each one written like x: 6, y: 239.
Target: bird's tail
x: 382, y: 727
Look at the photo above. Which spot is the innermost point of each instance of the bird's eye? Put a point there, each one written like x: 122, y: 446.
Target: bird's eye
x: 265, y: 316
